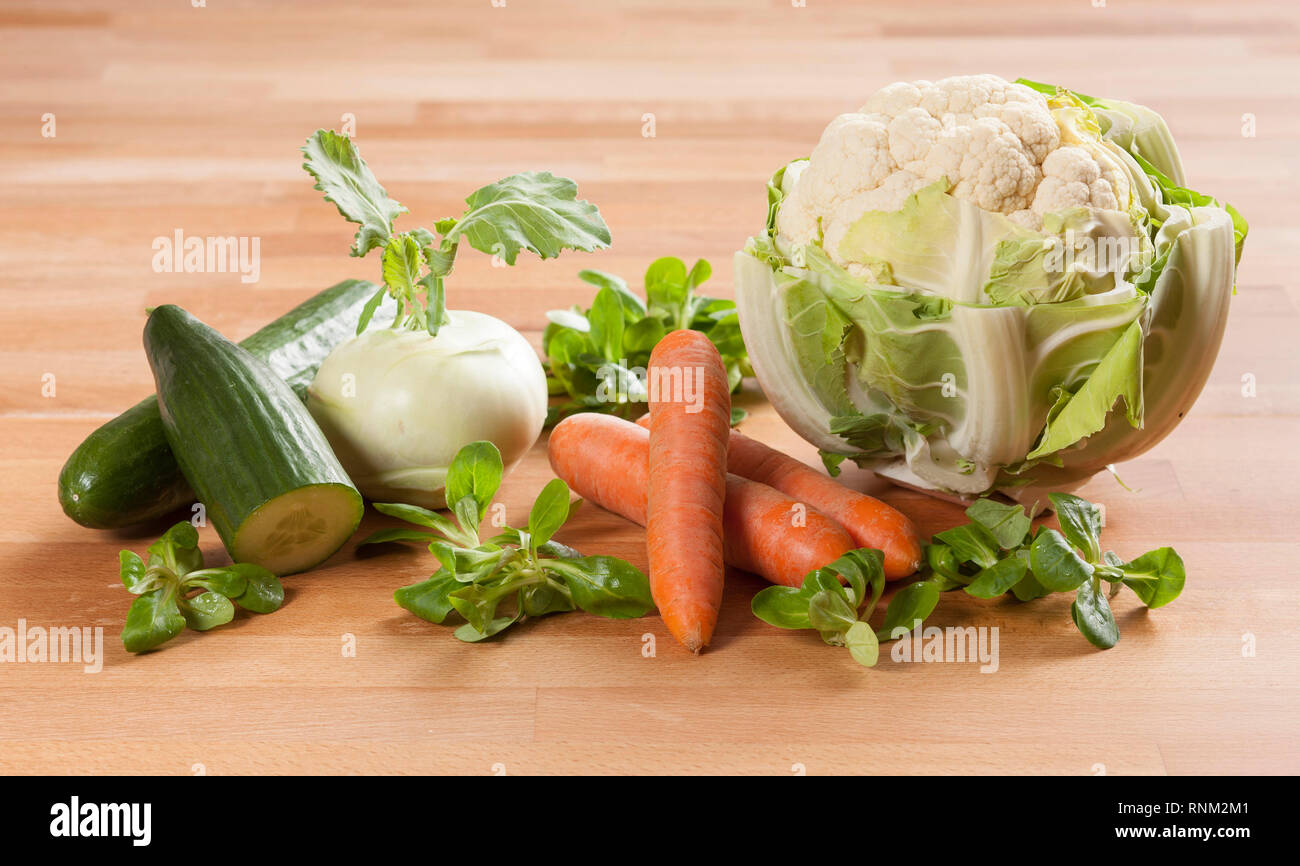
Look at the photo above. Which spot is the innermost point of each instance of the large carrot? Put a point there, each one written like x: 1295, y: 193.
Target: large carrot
x: 605, y: 460
x: 869, y: 521
x: 690, y: 412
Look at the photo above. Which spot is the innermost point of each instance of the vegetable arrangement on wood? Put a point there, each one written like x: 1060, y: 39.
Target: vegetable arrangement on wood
x: 867, y: 290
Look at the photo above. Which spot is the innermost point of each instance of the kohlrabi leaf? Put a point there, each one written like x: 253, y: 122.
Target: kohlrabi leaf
x: 534, y: 211
x: 347, y: 181
x: 372, y: 305
x: 402, y: 262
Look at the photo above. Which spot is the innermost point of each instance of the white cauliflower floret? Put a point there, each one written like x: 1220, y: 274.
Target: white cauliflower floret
x: 999, y: 145
x: 892, y: 100
x: 912, y: 135
x: 1072, y: 178
x: 986, y: 164
x: 853, y: 155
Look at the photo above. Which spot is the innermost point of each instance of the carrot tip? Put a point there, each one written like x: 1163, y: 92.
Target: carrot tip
x: 693, y: 641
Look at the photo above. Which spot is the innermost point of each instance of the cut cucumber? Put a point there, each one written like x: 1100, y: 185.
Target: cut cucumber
x: 124, y: 472
x: 288, y: 533
x: 272, y: 487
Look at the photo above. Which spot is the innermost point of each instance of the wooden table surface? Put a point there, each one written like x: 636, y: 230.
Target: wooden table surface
x: 170, y: 117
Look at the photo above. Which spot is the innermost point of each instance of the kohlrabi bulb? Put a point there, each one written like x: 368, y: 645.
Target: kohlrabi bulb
x: 396, y: 404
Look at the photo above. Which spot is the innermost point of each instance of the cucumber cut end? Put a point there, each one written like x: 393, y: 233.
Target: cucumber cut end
x: 299, y: 529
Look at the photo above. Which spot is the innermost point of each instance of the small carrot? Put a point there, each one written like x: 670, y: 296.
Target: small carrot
x: 690, y: 412
x: 869, y: 521
x: 605, y: 461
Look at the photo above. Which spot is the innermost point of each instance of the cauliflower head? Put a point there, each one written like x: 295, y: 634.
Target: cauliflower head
x: 1003, y: 147
x: 973, y: 285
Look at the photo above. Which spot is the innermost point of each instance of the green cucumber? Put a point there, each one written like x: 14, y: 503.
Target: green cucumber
x: 272, y: 487
x: 124, y: 472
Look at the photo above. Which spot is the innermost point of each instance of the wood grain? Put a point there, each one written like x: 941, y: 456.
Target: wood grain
x: 176, y: 117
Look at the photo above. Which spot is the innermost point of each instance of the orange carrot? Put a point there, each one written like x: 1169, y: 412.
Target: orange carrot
x: 690, y: 412
x: 777, y: 538
x: 605, y: 460
x: 869, y: 521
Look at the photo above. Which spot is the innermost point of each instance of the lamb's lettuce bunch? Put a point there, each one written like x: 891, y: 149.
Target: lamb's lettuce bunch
x: 976, y: 286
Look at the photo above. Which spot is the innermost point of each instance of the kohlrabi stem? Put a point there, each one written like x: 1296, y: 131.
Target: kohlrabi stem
x: 435, y: 304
